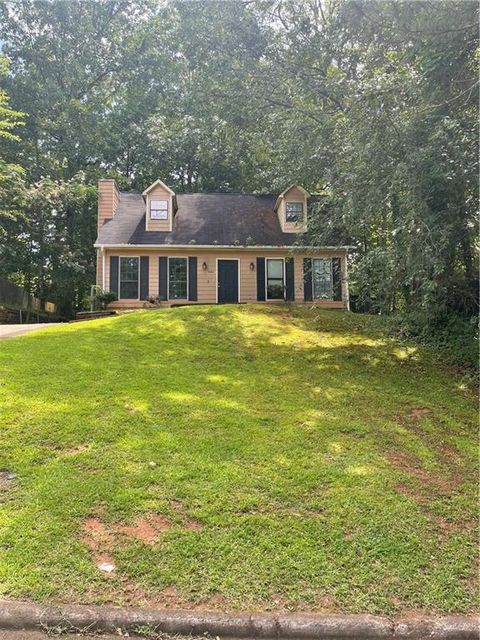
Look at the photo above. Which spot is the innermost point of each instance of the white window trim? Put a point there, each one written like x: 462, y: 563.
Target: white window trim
x: 266, y: 280
x: 238, y: 277
x: 168, y: 277
x: 314, y: 299
x: 138, y: 284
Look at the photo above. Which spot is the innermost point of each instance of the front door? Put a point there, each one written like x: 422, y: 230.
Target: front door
x: 227, y: 281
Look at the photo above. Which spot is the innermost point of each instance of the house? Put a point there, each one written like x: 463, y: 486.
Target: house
x: 213, y: 248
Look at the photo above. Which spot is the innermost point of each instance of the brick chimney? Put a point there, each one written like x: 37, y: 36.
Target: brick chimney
x: 108, y: 199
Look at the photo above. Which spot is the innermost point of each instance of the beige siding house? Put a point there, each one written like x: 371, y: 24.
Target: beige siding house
x: 213, y: 248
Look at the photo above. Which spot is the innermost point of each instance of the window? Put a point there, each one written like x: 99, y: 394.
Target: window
x: 322, y: 279
x: 159, y: 209
x: 275, y: 279
x: 128, y: 280
x: 177, y: 279
x: 294, y: 212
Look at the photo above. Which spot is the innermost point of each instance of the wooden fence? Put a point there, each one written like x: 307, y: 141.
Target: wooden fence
x: 16, y: 298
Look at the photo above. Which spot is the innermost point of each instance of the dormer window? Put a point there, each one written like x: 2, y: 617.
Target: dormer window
x: 294, y: 212
x: 159, y: 209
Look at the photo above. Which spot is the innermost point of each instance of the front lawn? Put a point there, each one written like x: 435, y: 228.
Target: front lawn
x: 236, y: 457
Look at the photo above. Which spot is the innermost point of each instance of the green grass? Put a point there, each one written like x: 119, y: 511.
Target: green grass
x: 287, y: 435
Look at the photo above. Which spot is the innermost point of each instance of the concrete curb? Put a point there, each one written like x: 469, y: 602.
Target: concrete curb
x: 28, y: 616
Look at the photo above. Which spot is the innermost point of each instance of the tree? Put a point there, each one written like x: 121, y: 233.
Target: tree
x: 12, y: 186
x: 49, y: 248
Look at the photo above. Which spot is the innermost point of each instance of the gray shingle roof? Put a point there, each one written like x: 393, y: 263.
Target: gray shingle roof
x: 202, y: 219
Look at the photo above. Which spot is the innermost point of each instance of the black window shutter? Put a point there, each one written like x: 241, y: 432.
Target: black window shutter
x: 192, y: 278
x: 114, y: 274
x: 144, y: 277
x: 162, y: 277
x: 260, y: 278
x: 289, y: 279
x: 307, y: 279
x: 337, y: 279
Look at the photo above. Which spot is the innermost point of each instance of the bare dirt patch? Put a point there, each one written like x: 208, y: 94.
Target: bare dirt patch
x: 419, y: 412
x: 81, y: 448
x: 192, y: 525
x: 6, y: 478
x: 7, y: 484
x: 448, y: 528
x: 410, y: 493
x: 98, y: 539
x: 450, y: 454
x: 145, y: 528
x: 102, y: 538
x: 216, y: 601
x: 96, y: 535
x: 325, y: 604
x: 437, y: 441
x: 444, y: 527
x: 405, y: 462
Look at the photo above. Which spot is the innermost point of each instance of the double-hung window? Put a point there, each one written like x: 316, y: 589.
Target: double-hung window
x: 275, y: 279
x: 128, y: 279
x: 159, y: 209
x: 294, y: 212
x: 322, y: 278
x: 177, y: 279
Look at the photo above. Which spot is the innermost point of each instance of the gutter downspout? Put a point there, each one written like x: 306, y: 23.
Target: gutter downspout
x: 347, y: 293
x: 103, y: 268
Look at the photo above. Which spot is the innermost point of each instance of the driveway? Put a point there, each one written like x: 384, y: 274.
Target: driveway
x: 12, y: 330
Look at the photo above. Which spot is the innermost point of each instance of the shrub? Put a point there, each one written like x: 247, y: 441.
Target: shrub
x: 103, y: 298
x: 455, y: 334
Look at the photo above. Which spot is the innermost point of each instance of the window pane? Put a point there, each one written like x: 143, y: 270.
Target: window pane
x: 295, y: 206
x: 128, y: 278
x: 159, y: 209
x: 128, y: 290
x: 275, y: 284
x: 275, y: 290
x: 159, y: 204
x: 275, y: 268
x: 294, y: 211
x: 177, y: 278
x: 128, y: 268
x: 322, y: 279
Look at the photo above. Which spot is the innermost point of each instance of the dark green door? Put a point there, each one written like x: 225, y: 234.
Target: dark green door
x: 227, y: 281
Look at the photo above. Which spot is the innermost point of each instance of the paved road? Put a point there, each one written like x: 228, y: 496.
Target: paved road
x: 12, y: 330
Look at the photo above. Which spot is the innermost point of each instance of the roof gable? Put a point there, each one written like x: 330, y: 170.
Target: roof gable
x: 158, y: 183
x: 287, y: 190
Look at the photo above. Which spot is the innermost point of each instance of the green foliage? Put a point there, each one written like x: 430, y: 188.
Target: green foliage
x: 400, y: 143
x: 9, y: 119
x: 105, y: 297
x: 374, y: 105
x: 455, y: 334
x: 47, y: 246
